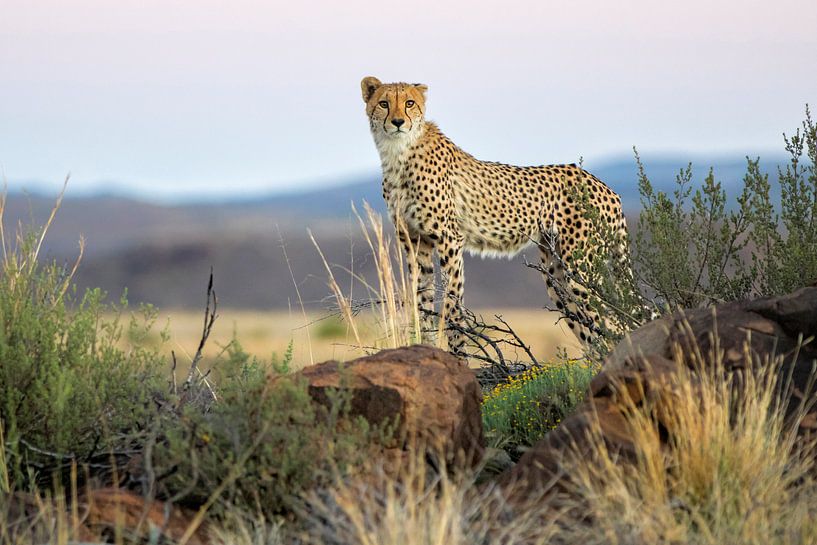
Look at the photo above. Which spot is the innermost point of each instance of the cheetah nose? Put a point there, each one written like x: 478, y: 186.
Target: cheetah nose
x: 398, y: 122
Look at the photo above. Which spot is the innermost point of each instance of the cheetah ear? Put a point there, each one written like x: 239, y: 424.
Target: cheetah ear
x: 421, y: 87
x: 368, y: 86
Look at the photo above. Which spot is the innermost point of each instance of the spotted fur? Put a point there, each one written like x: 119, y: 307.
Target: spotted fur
x: 449, y: 202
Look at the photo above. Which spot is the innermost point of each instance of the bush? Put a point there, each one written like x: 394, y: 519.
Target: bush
x: 72, y: 386
x: 689, y: 256
x: 694, y: 247
x: 261, y: 444
x: 330, y: 327
x: 519, y: 412
x: 697, y: 248
x: 80, y: 395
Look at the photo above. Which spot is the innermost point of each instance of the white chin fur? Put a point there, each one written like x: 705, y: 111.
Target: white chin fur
x: 393, y: 146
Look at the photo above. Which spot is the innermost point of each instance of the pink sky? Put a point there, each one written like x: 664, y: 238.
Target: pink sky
x: 168, y: 97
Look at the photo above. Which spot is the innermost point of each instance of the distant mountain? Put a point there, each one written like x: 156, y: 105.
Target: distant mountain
x: 112, y: 223
x: 163, y: 253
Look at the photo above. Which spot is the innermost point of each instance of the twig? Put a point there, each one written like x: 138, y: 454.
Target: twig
x: 509, y: 330
x: 297, y: 291
x: 207, y: 383
x: 173, y: 373
x: 52, y: 454
x: 496, y: 338
x: 149, y: 478
x: 209, y: 318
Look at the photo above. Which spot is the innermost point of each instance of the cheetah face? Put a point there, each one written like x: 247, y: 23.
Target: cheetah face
x: 395, y: 110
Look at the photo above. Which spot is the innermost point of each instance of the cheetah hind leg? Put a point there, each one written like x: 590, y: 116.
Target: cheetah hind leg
x: 570, y: 298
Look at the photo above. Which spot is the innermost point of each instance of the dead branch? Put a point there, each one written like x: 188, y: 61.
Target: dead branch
x: 492, y: 344
x: 209, y: 319
x: 173, y: 387
x: 197, y: 381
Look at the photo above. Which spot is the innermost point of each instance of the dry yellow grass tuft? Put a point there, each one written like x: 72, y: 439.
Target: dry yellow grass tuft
x: 420, y: 507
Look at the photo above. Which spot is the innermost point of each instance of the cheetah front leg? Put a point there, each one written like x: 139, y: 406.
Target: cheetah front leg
x: 419, y: 255
x: 450, y: 250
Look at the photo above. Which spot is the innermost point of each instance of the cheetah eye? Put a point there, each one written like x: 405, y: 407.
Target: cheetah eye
x: 409, y: 103
x: 384, y: 104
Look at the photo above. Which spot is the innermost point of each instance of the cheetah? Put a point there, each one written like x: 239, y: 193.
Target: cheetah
x: 445, y: 200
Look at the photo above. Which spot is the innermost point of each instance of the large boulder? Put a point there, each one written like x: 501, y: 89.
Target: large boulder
x: 433, y: 397
x: 778, y: 326
x: 642, y: 362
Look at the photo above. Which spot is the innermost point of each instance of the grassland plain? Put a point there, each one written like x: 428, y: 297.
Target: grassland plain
x: 322, y: 336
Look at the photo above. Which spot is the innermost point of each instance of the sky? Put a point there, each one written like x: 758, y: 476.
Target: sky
x: 171, y: 99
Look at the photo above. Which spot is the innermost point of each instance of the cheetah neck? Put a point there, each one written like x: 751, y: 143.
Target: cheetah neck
x: 394, y: 152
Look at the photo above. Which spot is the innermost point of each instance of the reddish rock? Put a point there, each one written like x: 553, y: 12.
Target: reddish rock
x: 433, y: 396
x: 779, y: 326
x: 107, y: 509
x: 104, y: 512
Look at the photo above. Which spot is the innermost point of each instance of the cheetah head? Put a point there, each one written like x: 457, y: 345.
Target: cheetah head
x: 395, y: 110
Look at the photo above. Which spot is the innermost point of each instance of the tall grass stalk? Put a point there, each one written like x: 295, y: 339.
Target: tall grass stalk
x: 21, y: 254
x: 300, y: 299
x: 392, y: 297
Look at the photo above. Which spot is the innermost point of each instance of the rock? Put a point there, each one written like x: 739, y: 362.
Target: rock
x: 641, y: 363
x: 773, y: 325
x: 107, y: 509
x: 495, y: 461
x: 104, y: 512
x: 434, y: 397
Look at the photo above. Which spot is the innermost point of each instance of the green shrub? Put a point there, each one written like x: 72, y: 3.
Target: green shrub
x: 688, y: 251
x: 330, y: 327
x: 784, y: 236
x: 698, y: 248
x: 79, y: 390
x: 694, y: 246
x: 519, y: 412
x: 72, y: 387
x: 262, y: 443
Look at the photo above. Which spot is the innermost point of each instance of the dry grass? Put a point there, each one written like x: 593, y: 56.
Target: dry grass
x: 391, y: 297
x: 421, y: 507
x: 732, y: 473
